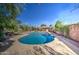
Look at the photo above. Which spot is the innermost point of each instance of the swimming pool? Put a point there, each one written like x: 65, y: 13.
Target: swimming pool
x: 37, y: 38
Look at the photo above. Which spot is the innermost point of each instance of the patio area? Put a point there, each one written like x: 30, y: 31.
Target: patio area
x: 56, y: 47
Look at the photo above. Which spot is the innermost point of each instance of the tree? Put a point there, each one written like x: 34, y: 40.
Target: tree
x: 24, y: 27
x: 43, y: 25
x: 8, y: 13
x: 64, y: 29
x: 50, y: 26
x: 58, y: 26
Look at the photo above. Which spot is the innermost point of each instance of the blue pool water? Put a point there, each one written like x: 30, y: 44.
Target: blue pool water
x: 37, y: 38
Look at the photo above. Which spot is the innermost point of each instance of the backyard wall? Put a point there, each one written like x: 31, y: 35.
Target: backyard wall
x: 74, y: 32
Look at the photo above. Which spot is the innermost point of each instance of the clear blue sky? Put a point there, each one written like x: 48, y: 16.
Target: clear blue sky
x: 36, y: 14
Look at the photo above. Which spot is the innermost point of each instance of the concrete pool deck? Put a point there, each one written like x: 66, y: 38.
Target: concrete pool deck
x: 55, y: 47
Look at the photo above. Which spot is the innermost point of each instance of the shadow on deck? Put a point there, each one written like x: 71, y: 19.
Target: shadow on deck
x: 4, y: 48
